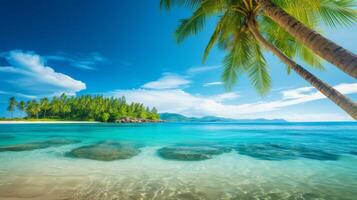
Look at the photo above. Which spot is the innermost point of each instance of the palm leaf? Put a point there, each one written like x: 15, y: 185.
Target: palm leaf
x: 308, y: 57
x: 258, y: 72
x: 167, y: 4
x: 237, y: 58
x: 334, y: 13
x: 194, y: 24
x: 226, y: 26
x: 190, y: 26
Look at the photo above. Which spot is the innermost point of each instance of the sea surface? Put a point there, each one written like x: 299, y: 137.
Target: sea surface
x: 213, y: 161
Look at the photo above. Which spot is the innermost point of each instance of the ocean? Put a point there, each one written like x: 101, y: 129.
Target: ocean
x: 213, y: 161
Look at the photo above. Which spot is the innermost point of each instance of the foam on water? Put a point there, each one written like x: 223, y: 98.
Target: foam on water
x: 49, y: 174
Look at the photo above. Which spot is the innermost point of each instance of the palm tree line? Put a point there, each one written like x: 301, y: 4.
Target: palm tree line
x: 86, y: 107
x: 286, y: 28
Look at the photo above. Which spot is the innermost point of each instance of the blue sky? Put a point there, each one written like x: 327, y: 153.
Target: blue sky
x: 127, y: 48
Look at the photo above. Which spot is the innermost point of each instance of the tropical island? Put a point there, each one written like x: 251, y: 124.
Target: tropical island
x: 83, y: 108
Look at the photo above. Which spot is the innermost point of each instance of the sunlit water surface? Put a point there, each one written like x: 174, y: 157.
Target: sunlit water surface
x: 261, y: 161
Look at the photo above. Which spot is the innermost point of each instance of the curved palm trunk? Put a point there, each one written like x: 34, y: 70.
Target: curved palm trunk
x: 344, y: 102
x: 326, y: 49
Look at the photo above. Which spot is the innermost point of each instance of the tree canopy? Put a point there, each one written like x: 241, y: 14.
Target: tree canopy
x: 244, y: 53
x: 86, y: 107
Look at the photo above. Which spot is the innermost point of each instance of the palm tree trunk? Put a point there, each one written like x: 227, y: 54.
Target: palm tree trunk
x: 326, y: 49
x: 344, y: 102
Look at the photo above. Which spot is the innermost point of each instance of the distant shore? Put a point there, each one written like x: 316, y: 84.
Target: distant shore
x: 124, y: 120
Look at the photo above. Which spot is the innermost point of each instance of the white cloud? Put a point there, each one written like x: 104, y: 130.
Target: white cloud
x: 34, y: 77
x: 18, y: 94
x: 225, y: 96
x: 179, y: 101
x: 175, y: 81
x: 201, y: 69
x: 87, y: 62
x: 212, y: 84
x: 306, y: 94
x: 297, y: 93
x: 168, y: 81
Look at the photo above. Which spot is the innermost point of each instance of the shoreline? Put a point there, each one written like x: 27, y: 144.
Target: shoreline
x: 47, y: 122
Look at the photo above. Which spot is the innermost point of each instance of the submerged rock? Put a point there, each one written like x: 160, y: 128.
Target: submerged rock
x: 191, y: 153
x: 317, y: 154
x: 136, y: 120
x: 5, y: 137
x: 36, y: 145
x: 269, y: 151
x: 105, y: 151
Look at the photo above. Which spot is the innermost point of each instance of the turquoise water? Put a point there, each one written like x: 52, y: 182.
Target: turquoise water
x: 249, y: 161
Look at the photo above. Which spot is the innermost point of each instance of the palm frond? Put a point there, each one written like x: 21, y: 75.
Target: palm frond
x: 230, y: 71
x: 334, y: 13
x: 167, y: 4
x: 258, y: 72
x: 196, y: 22
x: 226, y: 26
x: 302, y: 10
x: 287, y: 44
x: 309, y: 57
x: 219, y: 27
x: 190, y: 26
x: 278, y: 36
x: 237, y: 58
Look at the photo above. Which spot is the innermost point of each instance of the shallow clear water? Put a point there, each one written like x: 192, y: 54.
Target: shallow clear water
x: 264, y: 161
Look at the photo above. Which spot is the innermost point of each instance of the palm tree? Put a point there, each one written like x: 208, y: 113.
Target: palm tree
x: 21, y: 105
x: 45, y: 106
x: 332, y: 12
x: 33, y: 108
x: 12, y: 105
x: 55, y: 106
x: 237, y: 31
x: 299, y: 18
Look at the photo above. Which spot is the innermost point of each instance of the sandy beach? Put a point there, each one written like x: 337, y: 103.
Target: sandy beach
x: 47, y: 122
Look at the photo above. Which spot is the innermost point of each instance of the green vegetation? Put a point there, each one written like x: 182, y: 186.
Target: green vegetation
x: 245, y: 28
x: 12, y: 105
x: 83, y: 108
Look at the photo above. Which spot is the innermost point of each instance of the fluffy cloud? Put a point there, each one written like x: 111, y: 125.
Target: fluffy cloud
x: 306, y: 94
x: 212, y: 84
x: 197, y: 70
x: 168, y: 81
x: 225, y: 96
x: 28, y: 73
x: 179, y: 101
x: 175, y: 81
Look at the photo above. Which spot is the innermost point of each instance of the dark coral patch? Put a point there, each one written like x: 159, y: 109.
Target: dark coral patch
x: 317, y: 154
x: 5, y: 137
x: 36, y: 145
x: 105, y: 151
x: 191, y: 153
x: 269, y: 151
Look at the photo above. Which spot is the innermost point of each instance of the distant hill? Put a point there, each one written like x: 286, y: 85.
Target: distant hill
x: 174, y: 117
